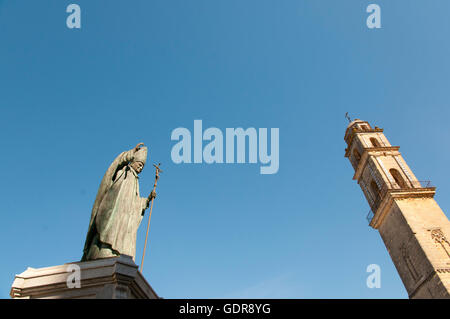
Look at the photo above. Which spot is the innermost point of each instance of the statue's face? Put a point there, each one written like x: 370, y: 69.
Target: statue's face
x: 137, y: 166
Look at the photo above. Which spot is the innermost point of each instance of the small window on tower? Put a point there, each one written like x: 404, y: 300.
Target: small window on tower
x: 398, y: 178
x: 375, y: 142
x: 365, y: 127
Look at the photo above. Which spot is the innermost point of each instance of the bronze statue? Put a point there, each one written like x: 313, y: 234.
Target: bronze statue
x: 118, y: 208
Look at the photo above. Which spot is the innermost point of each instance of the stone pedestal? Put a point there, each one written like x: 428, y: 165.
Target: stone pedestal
x: 108, y: 278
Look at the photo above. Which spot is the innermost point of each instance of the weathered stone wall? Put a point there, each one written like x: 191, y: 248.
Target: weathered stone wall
x: 409, y: 232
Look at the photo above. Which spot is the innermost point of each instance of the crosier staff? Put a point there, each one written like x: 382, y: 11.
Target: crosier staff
x: 152, y: 195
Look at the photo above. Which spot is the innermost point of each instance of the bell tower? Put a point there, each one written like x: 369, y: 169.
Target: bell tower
x: 413, y: 227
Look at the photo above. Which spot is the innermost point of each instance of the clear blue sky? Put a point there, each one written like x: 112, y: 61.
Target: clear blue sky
x: 71, y: 100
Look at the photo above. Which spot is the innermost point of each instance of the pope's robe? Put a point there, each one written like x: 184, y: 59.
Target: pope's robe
x: 117, y: 213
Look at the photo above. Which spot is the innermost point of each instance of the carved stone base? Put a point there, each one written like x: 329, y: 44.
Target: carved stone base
x: 107, y: 278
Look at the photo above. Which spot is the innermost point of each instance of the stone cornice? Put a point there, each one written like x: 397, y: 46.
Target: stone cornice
x: 115, y: 277
x: 398, y: 194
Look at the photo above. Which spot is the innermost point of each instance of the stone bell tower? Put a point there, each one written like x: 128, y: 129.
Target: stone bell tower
x: 413, y: 227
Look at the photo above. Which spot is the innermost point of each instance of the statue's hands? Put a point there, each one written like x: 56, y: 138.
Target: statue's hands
x: 138, y: 147
x: 152, y: 195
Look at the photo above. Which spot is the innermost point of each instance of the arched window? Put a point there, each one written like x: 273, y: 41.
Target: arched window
x: 356, y: 155
x: 375, y: 142
x: 398, y: 178
x: 375, y: 190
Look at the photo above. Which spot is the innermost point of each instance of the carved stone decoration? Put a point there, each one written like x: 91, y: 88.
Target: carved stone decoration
x: 438, y: 236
